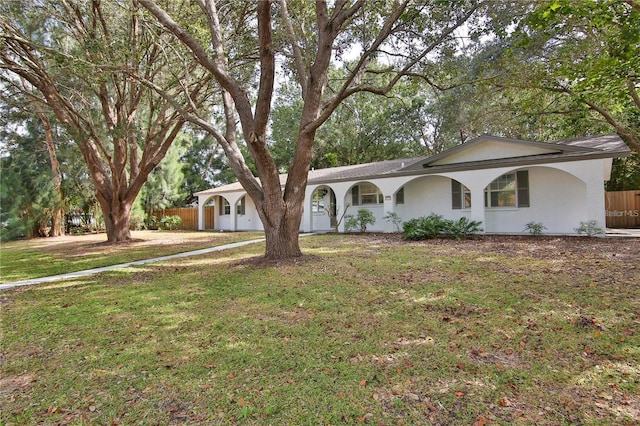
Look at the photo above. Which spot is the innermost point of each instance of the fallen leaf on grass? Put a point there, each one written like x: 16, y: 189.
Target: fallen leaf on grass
x: 504, y: 402
x: 481, y: 421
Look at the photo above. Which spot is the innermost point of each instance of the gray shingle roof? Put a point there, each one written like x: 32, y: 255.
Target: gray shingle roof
x: 589, y: 147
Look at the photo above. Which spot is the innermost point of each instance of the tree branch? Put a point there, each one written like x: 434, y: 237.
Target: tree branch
x: 297, y: 52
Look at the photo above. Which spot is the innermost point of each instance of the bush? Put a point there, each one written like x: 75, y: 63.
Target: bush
x: 394, y: 218
x: 590, y: 228
x: 435, y: 225
x: 359, y: 221
x: 152, y: 222
x: 170, y: 223
x: 535, y: 228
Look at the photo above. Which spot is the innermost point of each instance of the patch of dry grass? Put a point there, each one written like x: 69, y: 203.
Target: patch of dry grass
x: 21, y: 260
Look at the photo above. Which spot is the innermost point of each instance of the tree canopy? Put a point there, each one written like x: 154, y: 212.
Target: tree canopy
x: 85, y: 62
x: 583, y: 58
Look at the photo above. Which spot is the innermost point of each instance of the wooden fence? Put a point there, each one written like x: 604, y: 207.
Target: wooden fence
x: 622, y: 209
x: 189, y: 216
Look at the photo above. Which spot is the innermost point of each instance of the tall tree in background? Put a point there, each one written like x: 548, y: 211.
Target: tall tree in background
x: 241, y: 54
x: 204, y: 165
x: 84, y: 62
x: 164, y: 186
x: 17, y: 114
x: 364, y: 128
x: 30, y: 194
x: 583, y: 57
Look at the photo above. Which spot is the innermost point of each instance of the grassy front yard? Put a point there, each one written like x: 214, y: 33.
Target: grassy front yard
x: 22, y: 260
x: 364, y: 330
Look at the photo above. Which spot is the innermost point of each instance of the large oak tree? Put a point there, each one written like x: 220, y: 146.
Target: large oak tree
x: 247, y: 44
x: 84, y: 61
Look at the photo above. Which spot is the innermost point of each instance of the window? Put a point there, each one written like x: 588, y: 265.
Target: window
x: 400, y: 196
x: 240, y: 207
x: 460, y: 196
x: 366, y: 193
x: 509, y: 190
x: 317, y: 201
x: 225, y: 207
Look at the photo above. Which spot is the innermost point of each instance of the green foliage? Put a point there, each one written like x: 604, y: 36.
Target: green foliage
x: 163, y: 188
x: 625, y: 174
x: 27, y: 193
x: 170, y: 223
x: 364, y: 128
x: 360, y: 221
x: 204, y: 164
x: 590, y: 228
x: 587, y: 52
x: 435, y: 226
x: 394, y: 218
x: 535, y: 228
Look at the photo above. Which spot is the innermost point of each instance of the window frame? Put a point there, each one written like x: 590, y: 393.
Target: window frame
x: 460, y: 196
x: 225, y: 207
x: 240, y: 206
x: 519, y: 190
x: 358, y: 195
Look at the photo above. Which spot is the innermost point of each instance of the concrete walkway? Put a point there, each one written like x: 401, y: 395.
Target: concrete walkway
x: 87, y: 272
x: 626, y: 232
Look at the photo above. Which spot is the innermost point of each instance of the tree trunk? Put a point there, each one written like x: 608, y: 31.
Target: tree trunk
x: 117, y: 220
x: 57, y: 215
x: 282, y: 241
x: 282, y: 235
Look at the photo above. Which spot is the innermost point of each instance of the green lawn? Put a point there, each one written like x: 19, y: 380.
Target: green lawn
x: 22, y: 260
x: 363, y: 330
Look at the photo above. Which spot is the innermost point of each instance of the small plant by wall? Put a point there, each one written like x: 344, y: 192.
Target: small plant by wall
x: 590, y: 228
x: 535, y: 228
x: 360, y: 221
x: 170, y: 223
x: 394, y: 218
x: 434, y: 226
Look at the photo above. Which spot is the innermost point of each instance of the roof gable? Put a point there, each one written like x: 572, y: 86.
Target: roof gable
x: 485, y: 148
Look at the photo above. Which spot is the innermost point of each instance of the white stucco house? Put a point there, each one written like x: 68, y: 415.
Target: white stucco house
x: 504, y: 183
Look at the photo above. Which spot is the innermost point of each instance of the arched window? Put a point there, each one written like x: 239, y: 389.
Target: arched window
x: 366, y: 193
x: 509, y: 190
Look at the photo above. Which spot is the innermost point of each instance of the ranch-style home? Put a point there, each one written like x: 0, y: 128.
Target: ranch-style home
x: 503, y: 183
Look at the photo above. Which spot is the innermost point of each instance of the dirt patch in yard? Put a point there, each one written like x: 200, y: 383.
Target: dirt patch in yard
x: 594, y: 253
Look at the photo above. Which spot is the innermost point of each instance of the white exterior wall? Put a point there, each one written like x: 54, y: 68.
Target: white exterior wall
x: 561, y: 196
x: 429, y: 194
x: 249, y: 221
x: 557, y: 200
